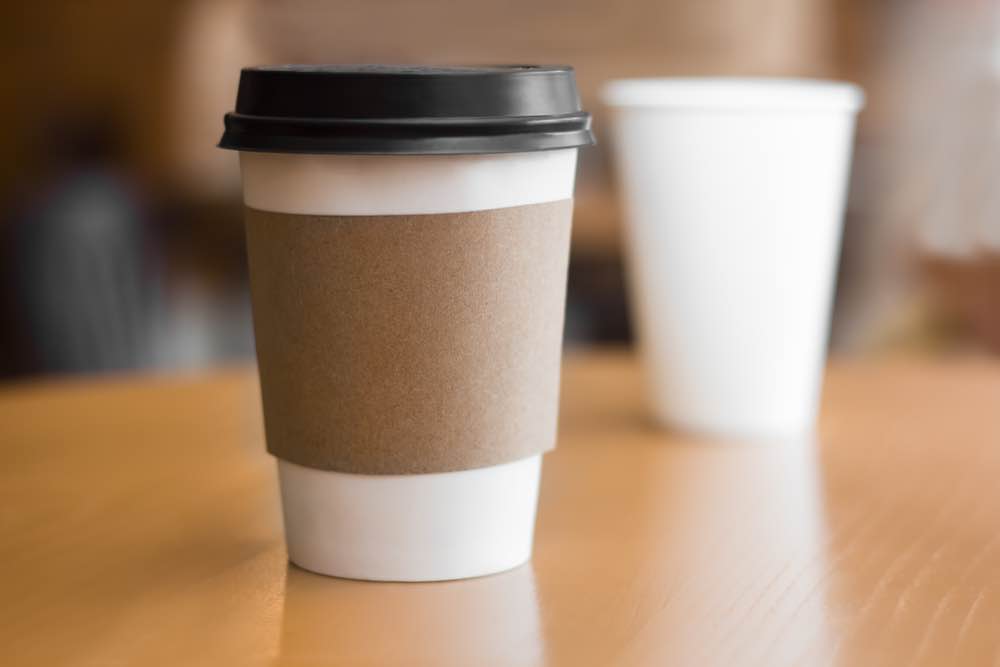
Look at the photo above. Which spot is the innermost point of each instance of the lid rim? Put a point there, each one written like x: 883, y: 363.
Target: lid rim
x: 428, y: 145
x: 411, y: 120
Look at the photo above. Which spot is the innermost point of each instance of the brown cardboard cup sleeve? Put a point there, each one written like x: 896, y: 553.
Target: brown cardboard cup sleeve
x: 409, y: 344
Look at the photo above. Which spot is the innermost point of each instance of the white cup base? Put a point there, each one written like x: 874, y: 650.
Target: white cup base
x: 431, y: 527
x: 722, y: 429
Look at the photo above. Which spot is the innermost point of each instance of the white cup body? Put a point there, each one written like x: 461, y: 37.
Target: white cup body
x: 734, y: 195
x: 423, y: 527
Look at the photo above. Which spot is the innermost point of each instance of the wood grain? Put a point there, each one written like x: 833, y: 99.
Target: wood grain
x: 140, y: 526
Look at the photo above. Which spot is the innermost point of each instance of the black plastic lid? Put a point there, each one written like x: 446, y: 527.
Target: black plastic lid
x: 382, y: 109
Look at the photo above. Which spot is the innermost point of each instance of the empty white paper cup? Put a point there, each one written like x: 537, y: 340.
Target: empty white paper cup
x: 734, y: 193
x: 422, y: 527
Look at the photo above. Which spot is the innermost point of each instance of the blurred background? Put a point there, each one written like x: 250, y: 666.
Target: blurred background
x: 121, y: 241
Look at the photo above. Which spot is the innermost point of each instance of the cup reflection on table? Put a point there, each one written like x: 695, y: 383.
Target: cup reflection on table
x: 736, y: 531
x: 484, y: 621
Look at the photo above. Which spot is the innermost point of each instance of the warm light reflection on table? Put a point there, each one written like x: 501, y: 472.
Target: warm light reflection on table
x: 141, y: 526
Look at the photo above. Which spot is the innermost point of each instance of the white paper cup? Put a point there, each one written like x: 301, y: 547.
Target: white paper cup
x: 422, y: 527
x: 407, y: 237
x: 734, y: 194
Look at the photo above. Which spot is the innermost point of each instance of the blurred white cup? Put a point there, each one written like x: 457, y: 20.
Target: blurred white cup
x: 734, y: 193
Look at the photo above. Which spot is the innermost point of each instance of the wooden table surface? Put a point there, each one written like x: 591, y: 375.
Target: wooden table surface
x: 140, y: 525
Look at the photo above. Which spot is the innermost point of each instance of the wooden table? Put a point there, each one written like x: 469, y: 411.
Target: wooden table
x: 140, y: 525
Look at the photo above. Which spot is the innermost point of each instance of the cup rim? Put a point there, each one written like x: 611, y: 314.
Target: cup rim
x: 733, y: 94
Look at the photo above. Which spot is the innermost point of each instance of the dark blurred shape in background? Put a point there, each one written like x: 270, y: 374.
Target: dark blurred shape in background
x: 120, y: 223
x: 82, y: 255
